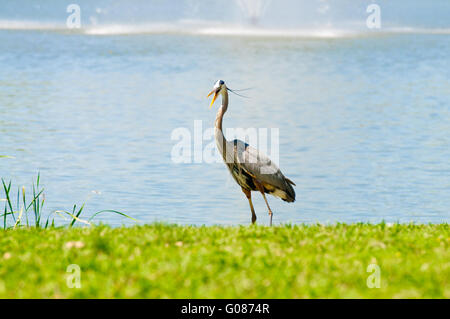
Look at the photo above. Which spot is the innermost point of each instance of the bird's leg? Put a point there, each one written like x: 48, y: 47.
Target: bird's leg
x: 249, y: 197
x: 261, y: 189
x: 270, y: 211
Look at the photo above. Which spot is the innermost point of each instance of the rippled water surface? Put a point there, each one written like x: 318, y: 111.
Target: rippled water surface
x: 364, y: 123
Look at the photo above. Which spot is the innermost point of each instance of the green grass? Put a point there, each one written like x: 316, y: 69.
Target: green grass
x: 167, y: 261
x: 17, y: 209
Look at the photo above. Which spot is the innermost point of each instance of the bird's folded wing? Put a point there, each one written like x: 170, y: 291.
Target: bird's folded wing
x: 259, y: 166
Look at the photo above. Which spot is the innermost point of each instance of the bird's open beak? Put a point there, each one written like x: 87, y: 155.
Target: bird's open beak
x: 215, y: 91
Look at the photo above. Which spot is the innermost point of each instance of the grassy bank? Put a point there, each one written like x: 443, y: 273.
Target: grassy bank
x: 162, y: 261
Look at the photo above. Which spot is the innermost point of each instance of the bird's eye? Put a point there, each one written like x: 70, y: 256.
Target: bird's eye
x: 221, y: 82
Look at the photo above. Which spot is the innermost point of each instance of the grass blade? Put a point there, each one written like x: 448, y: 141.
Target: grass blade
x: 112, y: 211
x: 18, y: 219
x: 76, y: 215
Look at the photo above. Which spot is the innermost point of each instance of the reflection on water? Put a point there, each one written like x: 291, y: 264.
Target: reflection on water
x: 364, y: 123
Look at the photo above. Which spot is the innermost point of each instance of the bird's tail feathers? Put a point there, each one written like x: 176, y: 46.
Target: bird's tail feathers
x: 289, y: 181
x: 289, y: 191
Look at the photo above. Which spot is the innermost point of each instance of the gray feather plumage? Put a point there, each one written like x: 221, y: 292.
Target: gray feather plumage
x: 261, y: 167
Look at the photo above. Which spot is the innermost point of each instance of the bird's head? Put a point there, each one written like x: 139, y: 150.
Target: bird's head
x: 219, y: 88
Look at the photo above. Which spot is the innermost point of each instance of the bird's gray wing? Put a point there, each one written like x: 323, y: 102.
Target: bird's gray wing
x: 261, y: 167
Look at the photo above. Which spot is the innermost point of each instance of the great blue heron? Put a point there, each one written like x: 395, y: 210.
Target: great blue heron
x: 252, y: 170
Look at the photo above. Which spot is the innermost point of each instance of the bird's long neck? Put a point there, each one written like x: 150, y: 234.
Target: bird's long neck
x: 221, y: 111
x: 218, y: 133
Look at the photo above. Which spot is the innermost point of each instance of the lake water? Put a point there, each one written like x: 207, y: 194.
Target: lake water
x: 363, y: 118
